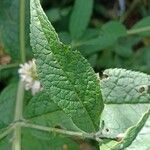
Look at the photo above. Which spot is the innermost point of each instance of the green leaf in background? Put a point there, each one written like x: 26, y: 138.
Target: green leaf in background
x: 7, y: 104
x: 53, y: 14
x: 9, y: 26
x: 65, y: 37
x: 62, y: 73
x: 120, y: 86
x: 132, y: 133
x: 124, y: 46
x: 109, y: 34
x: 143, y: 24
x: 80, y: 17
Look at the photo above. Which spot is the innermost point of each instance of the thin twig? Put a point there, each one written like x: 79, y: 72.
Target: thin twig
x: 22, y: 31
x: 16, y: 145
x: 82, y: 135
x: 139, y: 30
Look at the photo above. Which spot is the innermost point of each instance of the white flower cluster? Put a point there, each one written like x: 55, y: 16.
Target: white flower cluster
x: 28, y: 75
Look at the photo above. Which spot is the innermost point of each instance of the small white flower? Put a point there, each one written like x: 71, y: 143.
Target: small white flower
x: 29, y: 76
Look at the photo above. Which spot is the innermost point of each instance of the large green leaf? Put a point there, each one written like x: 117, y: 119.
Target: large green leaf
x: 80, y: 17
x: 67, y: 77
x: 121, y: 89
x: 109, y: 34
x: 120, y: 86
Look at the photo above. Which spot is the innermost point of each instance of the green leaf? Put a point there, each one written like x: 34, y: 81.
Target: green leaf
x: 110, y: 32
x: 40, y: 104
x: 7, y: 104
x: 131, y: 133
x: 143, y: 24
x: 62, y: 73
x: 5, y: 143
x: 53, y: 14
x: 80, y: 17
x: 124, y: 46
x: 120, y: 86
x: 65, y: 37
x: 9, y: 26
x: 119, y: 114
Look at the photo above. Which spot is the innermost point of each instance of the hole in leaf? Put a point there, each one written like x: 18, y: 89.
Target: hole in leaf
x: 141, y: 89
x: 58, y: 127
x: 148, y: 90
x: 104, y: 76
x: 107, y: 130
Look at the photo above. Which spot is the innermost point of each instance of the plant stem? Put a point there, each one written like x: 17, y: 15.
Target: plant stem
x: 81, y: 135
x: 17, y: 125
x: 135, y: 31
x: 19, y: 102
x: 22, y: 31
x: 16, y: 145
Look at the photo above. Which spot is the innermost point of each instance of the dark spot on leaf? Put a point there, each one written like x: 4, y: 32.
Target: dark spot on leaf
x: 58, y: 127
x: 107, y: 130
x: 141, y: 89
x: 102, y: 124
x: 104, y: 76
x: 148, y: 91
